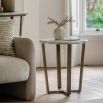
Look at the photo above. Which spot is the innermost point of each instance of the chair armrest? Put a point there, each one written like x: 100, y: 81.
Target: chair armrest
x: 24, y: 48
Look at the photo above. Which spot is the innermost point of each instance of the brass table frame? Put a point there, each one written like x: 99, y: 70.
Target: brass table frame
x: 69, y: 53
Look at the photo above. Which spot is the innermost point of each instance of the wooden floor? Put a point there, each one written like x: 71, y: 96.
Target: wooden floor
x: 92, y: 87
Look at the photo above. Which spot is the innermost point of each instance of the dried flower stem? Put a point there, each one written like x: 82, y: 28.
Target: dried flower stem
x: 63, y: 22
x: 52, y: 21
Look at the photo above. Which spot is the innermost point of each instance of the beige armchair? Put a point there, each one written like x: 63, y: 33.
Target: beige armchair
x: 17, y: 74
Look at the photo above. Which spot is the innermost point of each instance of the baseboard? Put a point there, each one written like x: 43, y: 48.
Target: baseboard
x: 56, y: 67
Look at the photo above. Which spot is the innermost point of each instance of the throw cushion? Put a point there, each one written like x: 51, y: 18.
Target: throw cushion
x: 6, y: 37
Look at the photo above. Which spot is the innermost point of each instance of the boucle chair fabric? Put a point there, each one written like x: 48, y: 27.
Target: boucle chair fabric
x: 13, y: 69
x: 24, y: 49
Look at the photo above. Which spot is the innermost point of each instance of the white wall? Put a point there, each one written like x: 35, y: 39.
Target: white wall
x: 31, y: 23
x: 36, y: 27
x: 55, y: 9
x: 94, y: 50
x: 18, y: 7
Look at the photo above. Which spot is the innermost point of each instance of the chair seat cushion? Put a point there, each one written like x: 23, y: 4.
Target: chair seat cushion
x: 13, y: 69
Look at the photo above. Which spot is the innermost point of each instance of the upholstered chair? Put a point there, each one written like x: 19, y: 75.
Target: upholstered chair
x: 17, y: 74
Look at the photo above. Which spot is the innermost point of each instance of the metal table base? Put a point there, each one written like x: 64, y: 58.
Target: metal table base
x: 69, y: 54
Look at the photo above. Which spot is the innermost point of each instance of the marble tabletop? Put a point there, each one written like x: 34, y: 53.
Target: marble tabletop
x: 63, y: 41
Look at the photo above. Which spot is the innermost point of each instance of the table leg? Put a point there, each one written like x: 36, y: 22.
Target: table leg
x: 69, y: 57
x: 45, y: 67
x: 58, y: 65
x: 81, y: 67
x: 21, y: 24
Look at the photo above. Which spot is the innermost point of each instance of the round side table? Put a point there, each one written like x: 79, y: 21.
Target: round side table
x: 69, y: 44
